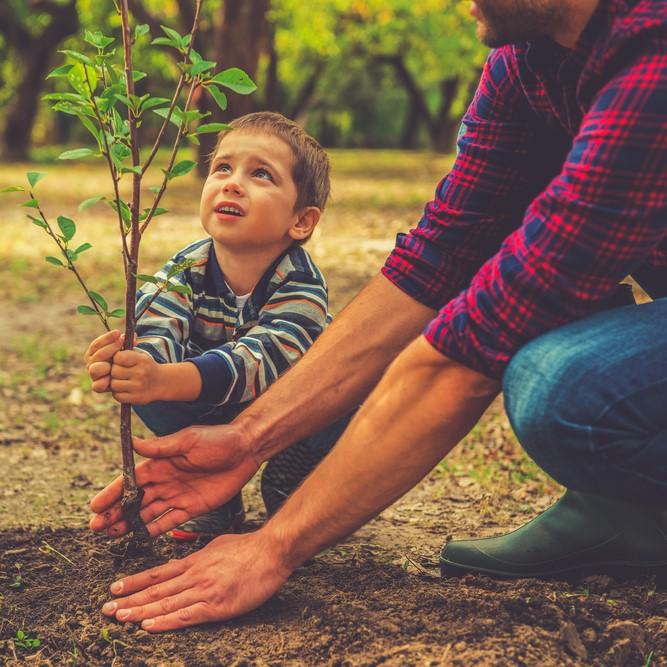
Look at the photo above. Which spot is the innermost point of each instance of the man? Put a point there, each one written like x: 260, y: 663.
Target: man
x: 559, y: 191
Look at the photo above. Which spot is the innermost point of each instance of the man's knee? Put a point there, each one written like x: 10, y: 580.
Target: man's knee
x: 540, y: 387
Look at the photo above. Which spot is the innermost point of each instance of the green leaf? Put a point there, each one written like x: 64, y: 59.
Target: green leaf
x: 78, y: 81
x: 212, y: 127
x: 87, y: 203
x: 147, y: 279
x: 120, y: 152
x: 160, y: 211
x: 38, y: 221
x: 172, y: 34
x: 118, y: 312
x: 65, y: 97
x: 13, y: 188
x: 77, y: 56
x: 92, y: 128
x: 54, y: 260
x: 34, y: 177
x: 82, y: 248
x: 202, y: 66
x: 164, y: 41
x: 138, y: 76
x: 99, y: 300
x: 155, y: 189
x: 31, y: 203
x: 141, y: 30
x: 86, y: 310
x: 179, y: 289
x: 235, y: 79
x: 182, y: 168
x: 97, y: 39
x: 154, y: 102
x: 219, y: 97
x: 67, y: 227
x: 20, y: 634
x: 76, y: 154
x: 131, y: 170
x: 60, y: 71
x: 176, y: 116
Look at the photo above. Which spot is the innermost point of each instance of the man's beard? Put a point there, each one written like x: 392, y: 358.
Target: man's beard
x: 511, y: 21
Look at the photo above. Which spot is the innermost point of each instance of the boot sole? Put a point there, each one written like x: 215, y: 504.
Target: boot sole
x: 614, y: 568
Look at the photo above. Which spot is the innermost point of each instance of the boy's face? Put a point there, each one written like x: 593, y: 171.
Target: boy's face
x: 248, y: 199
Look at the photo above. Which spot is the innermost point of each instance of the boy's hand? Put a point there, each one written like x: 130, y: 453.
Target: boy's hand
x: 136, y: 378
x: 98, y: 358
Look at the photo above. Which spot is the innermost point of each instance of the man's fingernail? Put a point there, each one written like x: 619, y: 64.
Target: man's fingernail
x: 109, y: 607
x: 149, y: 622
x: 117, y: 587
x: 123, y: 614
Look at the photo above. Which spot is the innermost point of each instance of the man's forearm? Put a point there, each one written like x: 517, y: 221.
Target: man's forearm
x: 423, y: 406
x: 339, y: 371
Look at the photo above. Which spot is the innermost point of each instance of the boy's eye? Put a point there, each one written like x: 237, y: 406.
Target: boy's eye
x: 263, y: 173
x: 223, y: 166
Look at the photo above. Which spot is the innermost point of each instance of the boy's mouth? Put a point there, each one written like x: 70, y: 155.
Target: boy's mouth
x: 229, y: 209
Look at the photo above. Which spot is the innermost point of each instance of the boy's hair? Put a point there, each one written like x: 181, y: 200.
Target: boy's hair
x: 311, y: 164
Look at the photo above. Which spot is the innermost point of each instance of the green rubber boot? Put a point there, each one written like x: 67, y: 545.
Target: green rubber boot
x: 580, y: 534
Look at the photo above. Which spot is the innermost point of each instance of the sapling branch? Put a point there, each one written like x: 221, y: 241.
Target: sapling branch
x: 132, y: 494
x: 177, y: 92
x: 112, y: 168
x: 70, y: 264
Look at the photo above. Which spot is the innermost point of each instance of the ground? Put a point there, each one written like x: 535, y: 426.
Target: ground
x: 374, y: 599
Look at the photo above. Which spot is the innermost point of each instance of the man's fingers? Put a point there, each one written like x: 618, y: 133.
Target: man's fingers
x: 192, y: 615
x: 107, y: 497
x: 164, y: 447
x: 139, y: 582
x: 156, y: 600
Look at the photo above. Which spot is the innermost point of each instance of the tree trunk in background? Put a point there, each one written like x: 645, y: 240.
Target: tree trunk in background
x: 36, y: 53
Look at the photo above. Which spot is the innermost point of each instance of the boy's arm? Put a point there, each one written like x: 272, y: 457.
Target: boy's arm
x: 288, y: 324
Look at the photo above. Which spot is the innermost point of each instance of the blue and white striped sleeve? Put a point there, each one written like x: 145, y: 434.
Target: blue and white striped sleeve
x: 164, y: 329
x: 288, y: 324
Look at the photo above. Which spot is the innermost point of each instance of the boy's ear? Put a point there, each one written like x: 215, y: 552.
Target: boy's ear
x: 307, y: 219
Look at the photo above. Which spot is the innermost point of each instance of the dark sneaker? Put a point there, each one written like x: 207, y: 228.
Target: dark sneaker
x: 226, y: 519
x: 580, y: 534
x: 285, y: 471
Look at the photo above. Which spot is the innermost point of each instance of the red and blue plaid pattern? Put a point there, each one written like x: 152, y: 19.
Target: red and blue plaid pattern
x: 558, y: 192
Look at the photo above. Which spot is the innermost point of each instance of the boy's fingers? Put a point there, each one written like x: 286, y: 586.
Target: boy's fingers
x: 128, y: 358
x: 106, y: 353
x: 101, y: 341
x: 99, y: 369
x: 101, y: 386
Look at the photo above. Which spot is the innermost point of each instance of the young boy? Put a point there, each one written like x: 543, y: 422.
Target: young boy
x: 257, y: 303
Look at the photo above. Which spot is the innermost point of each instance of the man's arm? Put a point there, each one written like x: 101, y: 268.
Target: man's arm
x: 338, y: 372
x: 424, y: 404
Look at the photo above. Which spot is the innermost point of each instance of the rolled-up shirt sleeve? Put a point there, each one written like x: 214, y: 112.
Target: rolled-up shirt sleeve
x: 493, y: 179
x: 594, y: 223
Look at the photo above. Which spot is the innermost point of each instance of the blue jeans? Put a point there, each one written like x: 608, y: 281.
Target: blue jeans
x: 164, y: 417
x: 588, y: 402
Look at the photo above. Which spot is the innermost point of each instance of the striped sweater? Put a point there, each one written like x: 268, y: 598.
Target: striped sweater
x: 239, y: 353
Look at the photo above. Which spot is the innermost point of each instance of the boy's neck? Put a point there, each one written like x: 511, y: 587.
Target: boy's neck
x: 243, y: 270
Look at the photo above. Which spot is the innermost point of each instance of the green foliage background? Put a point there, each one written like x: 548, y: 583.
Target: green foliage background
x: 345, y: 45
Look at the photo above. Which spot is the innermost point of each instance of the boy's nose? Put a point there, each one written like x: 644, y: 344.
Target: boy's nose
x: 232, y: 186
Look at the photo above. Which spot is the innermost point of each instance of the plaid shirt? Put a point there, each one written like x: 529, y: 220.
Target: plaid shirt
x: 239, y: 353
x: 558, y: 192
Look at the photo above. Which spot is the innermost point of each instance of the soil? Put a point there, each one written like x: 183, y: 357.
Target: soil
x: 375, y: 599
x: 351, y: 608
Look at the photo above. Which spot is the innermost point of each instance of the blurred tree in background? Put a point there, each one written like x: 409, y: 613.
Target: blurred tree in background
x: 366, y: 73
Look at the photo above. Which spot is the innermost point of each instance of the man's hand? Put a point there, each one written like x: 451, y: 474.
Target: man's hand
x: 228, y: 577
x: 137, y: 378
x: 186, y: 474
x: 98, y: 358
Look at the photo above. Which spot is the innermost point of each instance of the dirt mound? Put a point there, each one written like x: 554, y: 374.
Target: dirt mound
x: 357, y: 610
